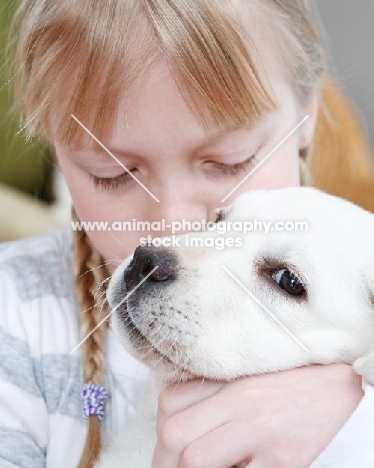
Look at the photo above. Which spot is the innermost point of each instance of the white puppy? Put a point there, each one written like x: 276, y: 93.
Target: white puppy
x: 301, y: 297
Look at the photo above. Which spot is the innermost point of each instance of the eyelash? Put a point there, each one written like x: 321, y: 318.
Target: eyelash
x: 107, y: 183
x: 111, y: 183
x: 234, y: 169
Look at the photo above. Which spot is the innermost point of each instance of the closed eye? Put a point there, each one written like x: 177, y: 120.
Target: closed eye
x: 234, y: 169
x: 107, y: 183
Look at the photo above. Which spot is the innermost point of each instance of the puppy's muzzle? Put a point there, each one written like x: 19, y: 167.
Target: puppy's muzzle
x: 145, y: 260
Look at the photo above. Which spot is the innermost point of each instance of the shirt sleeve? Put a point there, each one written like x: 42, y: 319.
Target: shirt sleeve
x: 23, y: 413
x: 353, y: 446
x: 41, y: 422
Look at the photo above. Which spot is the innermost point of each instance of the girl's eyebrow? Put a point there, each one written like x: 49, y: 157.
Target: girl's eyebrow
x: 252, y: 133
x: 260, y: 127
x: 210, y: 140
x: 224, y: 132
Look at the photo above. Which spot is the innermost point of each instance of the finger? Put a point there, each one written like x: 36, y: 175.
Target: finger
x: 221, y: 435
x: 225, y: 446
x: 181, y: 429
x: 180, y: 396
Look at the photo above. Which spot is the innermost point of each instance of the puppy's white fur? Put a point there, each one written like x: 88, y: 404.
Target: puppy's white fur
x: 210, y: 327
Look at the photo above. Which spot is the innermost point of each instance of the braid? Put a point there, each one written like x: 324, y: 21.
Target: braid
x: 89, y: 275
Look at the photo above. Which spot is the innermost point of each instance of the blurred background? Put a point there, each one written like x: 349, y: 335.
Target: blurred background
x: 348, y: 32
x: 33, y: 198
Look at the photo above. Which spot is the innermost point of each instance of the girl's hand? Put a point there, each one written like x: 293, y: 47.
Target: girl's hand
x: 275, y: 420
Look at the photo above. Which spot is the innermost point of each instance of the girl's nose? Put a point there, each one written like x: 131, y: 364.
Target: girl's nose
x: 182, y: 200
x: 178, y: 218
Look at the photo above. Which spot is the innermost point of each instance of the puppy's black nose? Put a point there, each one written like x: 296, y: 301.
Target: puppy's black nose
x: 145, y: 259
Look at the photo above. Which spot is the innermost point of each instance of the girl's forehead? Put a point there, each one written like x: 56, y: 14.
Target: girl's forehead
x: 223, y: 94
x: 226, y: 55
x: 158, y: 96
x: 156, y: 102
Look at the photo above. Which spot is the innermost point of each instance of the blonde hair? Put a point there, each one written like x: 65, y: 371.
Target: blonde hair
x: 90, y: 274
x: 97, y: 50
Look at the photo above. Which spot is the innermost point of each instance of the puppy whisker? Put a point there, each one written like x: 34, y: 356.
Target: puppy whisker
x: 156, y: 330
x: 163, y: 354
x: 156, y: 345
x: 101, y: 284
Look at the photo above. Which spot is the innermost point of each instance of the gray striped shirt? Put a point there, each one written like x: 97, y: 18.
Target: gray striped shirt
x: 41, y: 421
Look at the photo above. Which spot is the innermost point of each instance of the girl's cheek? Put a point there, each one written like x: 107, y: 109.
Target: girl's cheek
x: 114, y: 247
x: 280, y: 170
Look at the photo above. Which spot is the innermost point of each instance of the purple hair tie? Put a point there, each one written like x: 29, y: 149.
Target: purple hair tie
x: 93, y: 397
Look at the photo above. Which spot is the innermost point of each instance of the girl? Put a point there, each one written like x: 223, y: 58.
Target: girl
x: 188, y: 96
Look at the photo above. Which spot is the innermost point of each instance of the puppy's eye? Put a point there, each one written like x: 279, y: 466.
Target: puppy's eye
x: 288, y: 281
